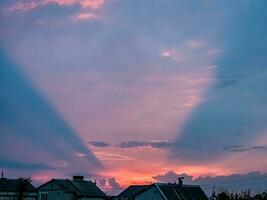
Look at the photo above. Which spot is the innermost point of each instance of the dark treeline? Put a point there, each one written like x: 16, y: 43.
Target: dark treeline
x: 244, y: 195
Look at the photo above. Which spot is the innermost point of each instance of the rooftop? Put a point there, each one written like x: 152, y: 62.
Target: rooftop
x: 132, y: 190
x: 13, y: 185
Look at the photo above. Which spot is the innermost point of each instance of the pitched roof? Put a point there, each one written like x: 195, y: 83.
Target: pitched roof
x: 13, y: 185
x: 194, y: 193
x: 65, y: 185
x: 79, y: 187
x: 87, y: 188
x: 174, y: 192
x: 131, y: 191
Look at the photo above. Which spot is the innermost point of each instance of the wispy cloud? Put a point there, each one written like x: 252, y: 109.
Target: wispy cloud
x: 158, y: 144
x: 98, y: 144
x: 241, y: 148
x: 106, y: 156
x: 173, y: 54
x: 85, y: 16
x: 154, y: 144
x: 32, y: 4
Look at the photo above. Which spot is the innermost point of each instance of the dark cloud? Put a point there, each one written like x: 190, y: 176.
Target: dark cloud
x: 260, y: 147
x: 171, y: 176
x: 255, y: 181
x: 136, y: 144
x: 240, y: 148
x: 113, y: 183
x: 98, y: 144
x: 113, y: 186
x: 236, y: 148
x: 132, y: 144
x: 153, y: 144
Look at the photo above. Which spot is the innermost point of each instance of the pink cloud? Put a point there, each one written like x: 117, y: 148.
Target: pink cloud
x: 29, y: 5
x: 85, y: 16
x: 173, y: 54
x: 94, y: 4
x: 22, y: 6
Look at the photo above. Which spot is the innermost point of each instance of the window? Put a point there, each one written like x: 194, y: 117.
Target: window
x: 43, y: 196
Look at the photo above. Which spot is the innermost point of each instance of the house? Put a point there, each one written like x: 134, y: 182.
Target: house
x: 65, y: 189
x: 171, y: 191
x: 16, y: 189
x: 130, y: 192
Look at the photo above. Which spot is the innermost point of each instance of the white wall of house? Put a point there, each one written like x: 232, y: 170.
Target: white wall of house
x: 151, y: 193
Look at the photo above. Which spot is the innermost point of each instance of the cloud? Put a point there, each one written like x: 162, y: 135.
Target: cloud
x: 237, y: 182
x: 131, y: 144
x: 173, y: 54
x: 98, y: 144
x: 171, y: 176
x: 159, y: 144
x: 240, y: 148
x: 32, y: 4
x: 113, y: 183
x: 115, y: 157
x: 154, y: 144
x: 113, y: 187
x: 85, y: 16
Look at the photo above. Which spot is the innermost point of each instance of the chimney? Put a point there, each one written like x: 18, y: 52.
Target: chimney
x: 180, y: 179
x: 78, y: 178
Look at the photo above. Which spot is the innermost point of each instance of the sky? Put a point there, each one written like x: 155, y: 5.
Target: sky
x: 132, y: 92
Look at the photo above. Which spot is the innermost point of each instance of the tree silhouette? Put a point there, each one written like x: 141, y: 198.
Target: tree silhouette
x: 244, y: 195
x: 23, y: 185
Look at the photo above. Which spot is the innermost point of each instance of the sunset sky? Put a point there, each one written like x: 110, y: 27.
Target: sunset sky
x: 125, y: 91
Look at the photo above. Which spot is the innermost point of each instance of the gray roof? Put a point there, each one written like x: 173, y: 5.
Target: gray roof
x: 81, y: 188
x: 131, y: 191
x: 186, y: 192
x: 14, y: 185
x: 65, y: 185
x: 87, y: 188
